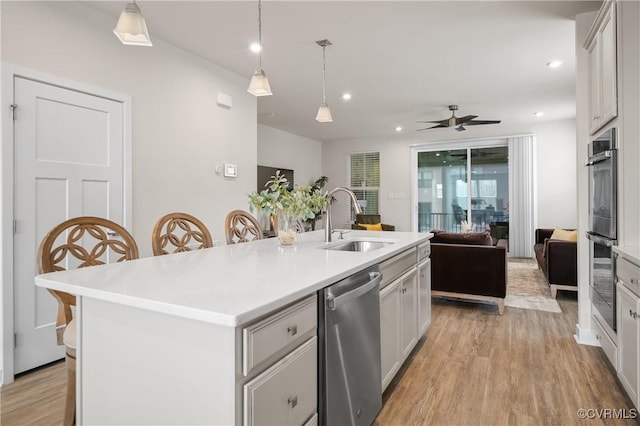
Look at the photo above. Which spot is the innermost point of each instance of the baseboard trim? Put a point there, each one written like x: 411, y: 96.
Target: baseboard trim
x: 585, y: 337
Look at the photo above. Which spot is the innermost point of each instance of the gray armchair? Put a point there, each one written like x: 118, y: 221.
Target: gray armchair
x: 370, y: 219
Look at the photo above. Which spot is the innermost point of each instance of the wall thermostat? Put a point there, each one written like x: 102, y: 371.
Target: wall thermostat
x: 230, y: 170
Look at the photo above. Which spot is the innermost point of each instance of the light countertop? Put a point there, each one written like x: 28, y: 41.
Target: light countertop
x: 228, y: 285
x: 631, y: 253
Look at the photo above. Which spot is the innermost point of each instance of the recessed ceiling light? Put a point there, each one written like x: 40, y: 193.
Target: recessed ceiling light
x: 538, y: 114
x: 399, y: 129
x: 554, y: 64
x: 255, y: 47
x: 437, y: 154
x: 346, y: 96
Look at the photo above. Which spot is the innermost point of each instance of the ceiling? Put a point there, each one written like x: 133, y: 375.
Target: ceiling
x: 401, y: 61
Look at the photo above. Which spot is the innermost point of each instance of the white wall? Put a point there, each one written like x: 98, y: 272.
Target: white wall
x: 277, y: 148
x: 179, y: 133
x: 556, y: 171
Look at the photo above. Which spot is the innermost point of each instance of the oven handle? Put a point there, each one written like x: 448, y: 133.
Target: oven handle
x: 600, y: 157
x: 607, y: 242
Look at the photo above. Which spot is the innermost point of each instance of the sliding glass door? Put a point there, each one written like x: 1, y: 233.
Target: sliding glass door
x: 463, y: 185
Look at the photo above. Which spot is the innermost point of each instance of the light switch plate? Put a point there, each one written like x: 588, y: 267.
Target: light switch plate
x: 230, y: 170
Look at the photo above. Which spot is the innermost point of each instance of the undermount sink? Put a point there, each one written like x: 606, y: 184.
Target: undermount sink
x: 360, y: 246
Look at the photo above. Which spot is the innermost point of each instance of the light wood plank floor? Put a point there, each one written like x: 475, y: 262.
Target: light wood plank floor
x: 473, y: 367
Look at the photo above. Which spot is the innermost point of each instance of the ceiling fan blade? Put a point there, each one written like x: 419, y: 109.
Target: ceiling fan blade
x: 465, y: 119
x: 476, y: 122
x: 460, y: 129
x: 434, y: 127
x: 443, y: 122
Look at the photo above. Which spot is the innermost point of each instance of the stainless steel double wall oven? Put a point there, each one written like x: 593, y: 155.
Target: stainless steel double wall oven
x: 602, y: 232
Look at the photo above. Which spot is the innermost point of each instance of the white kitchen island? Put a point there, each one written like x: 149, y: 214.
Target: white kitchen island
x: 211, y: 336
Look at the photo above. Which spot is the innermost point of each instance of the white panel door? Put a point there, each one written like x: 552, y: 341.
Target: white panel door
x: 69, y: 156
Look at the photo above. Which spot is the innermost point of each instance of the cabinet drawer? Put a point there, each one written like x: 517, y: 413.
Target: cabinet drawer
x: 424, y: 251
x: 278, y: 333
x: 628, y: 273
x: 608, y: 346
x: 286, y: 393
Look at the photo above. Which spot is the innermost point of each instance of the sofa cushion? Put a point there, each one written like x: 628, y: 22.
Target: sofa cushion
x: 372, y: 226
x: 469, y: 238
x: 564, y: 235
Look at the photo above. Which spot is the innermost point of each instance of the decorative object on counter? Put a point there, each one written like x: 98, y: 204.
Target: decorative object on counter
x: 301, y: 203
x: 259, y: 85
x: 77, y: 231
x: 179, y: 232
x: 241, y: 227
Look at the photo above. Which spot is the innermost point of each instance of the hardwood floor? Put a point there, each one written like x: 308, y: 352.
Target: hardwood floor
x: 473, y: 367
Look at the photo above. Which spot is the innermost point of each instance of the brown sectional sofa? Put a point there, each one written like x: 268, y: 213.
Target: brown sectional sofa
x: 558, y: 260
x: 469, y: 266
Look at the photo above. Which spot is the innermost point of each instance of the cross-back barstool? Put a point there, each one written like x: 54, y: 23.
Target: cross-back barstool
x: 241, y: 227
x: 178, y: 232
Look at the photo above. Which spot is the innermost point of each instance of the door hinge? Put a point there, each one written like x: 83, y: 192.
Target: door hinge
x: 15, y: 340
x: 13, y: 110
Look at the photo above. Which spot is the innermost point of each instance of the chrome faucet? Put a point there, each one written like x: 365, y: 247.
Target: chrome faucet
x: 328, y: 230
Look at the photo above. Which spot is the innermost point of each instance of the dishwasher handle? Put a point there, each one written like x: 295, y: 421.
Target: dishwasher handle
x: 334, y: 302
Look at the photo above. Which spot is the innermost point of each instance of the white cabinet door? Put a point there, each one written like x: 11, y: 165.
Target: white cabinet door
x: 594, y: 84
x: 608, y: 69
x: 409, y: 310
x: 603, y: 88
x: 628, y: 341
x: 424, y: 296
x: 390, y: 329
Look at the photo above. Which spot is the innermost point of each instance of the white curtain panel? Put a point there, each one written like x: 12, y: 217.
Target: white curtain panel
x: 521, y: 185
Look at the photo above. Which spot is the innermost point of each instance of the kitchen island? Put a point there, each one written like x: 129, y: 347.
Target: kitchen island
x: 194, y: 338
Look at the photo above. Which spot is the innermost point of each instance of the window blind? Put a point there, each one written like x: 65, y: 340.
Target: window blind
x: 364, y: 181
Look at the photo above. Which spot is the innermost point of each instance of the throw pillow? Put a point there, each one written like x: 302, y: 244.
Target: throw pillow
x: 564, y: 235
x: 372, y: 226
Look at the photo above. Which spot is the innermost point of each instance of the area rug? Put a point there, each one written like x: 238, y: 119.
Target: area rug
x: 527, y: 287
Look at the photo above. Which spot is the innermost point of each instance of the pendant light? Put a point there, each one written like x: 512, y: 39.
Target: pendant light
x: 324, y: 113
x: 259, y: 85
x: 131, y: 28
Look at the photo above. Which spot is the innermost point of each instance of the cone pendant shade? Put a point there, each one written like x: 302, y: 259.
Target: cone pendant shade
x: 259, y: 85
x: 324, y: 114
x: 131, y: 28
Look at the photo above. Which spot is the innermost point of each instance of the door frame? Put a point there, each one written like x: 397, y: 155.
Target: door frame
x: 9, y: 72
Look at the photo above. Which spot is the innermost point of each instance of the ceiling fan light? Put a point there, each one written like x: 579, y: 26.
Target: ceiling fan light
x: 131, y: 28
x: 324, y: 114
x: 259, y: 85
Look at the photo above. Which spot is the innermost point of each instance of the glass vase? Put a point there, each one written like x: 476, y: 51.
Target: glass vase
x: 287, y: 230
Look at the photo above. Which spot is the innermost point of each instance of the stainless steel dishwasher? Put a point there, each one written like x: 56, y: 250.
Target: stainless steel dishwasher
x: 349, y: 351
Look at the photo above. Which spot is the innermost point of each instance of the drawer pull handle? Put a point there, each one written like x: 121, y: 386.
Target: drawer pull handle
x: 292, y: 330
x: 293, y: 401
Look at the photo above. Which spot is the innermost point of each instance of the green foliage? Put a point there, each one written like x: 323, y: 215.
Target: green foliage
x: 303, y: 202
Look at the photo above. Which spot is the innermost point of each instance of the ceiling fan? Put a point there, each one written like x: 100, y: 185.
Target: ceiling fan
x: 458, y: 122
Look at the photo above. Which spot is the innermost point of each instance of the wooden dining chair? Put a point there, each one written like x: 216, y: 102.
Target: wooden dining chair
x: 78, y: 243
x: 241, y: 227
x: 178, y: 232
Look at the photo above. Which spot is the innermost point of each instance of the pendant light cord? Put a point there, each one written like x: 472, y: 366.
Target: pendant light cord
x: 260, y: 31
x: 324, y: 98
